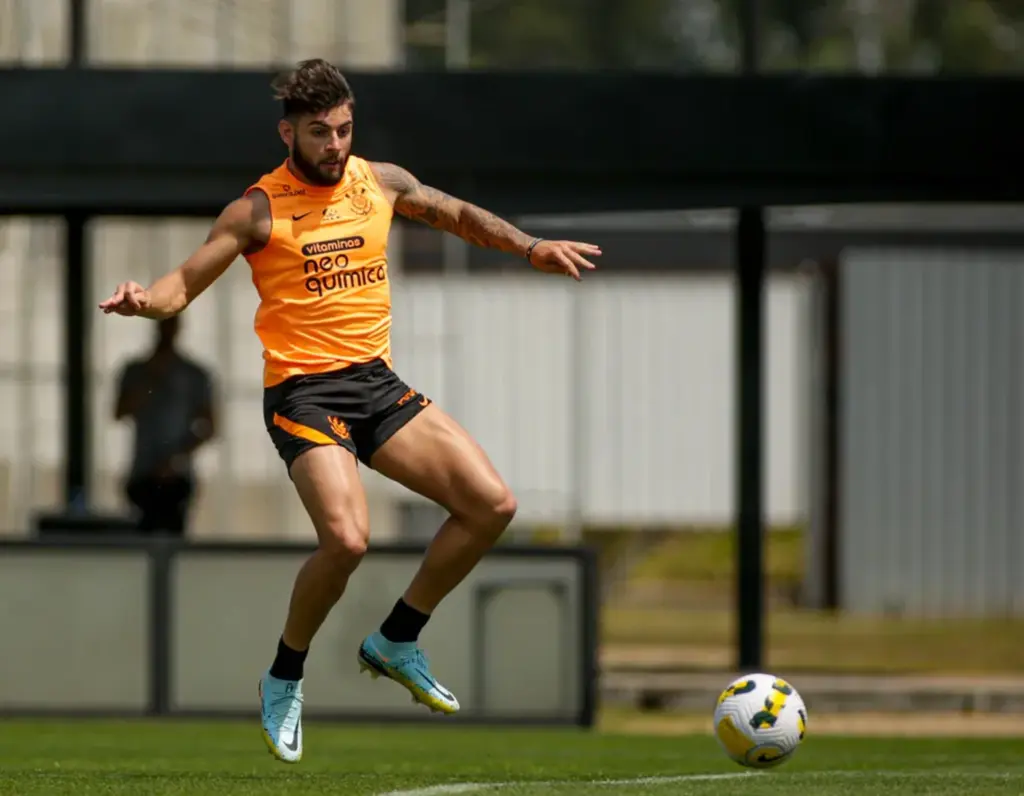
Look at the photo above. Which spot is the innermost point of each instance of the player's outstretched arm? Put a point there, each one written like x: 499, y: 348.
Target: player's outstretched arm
x: 420, y: 202
x: 232, y: 233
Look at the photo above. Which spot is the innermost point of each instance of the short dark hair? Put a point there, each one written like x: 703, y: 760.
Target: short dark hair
x: 314, y: 86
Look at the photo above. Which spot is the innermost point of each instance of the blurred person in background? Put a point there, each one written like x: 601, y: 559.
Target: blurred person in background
x: 169, y: 398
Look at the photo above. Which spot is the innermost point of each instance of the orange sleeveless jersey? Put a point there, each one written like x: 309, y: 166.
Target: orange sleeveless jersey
x: 322, y: 278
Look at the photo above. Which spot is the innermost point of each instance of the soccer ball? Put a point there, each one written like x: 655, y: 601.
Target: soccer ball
x: 760, y: 720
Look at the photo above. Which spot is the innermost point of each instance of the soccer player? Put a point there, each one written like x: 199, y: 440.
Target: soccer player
x: 314, y: 232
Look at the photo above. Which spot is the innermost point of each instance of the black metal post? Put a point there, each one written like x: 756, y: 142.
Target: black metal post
x: 76, y: 327
x: 160, y: 642
x: 76, y: 357
x: 832, y: 437
x: 77, y: 30
x: 750, y: 264
x: 749, y: 28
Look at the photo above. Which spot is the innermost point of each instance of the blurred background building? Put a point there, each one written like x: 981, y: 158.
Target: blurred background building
x: 610, y: 406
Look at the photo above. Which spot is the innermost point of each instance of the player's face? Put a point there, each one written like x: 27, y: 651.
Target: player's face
x: 320, y: 145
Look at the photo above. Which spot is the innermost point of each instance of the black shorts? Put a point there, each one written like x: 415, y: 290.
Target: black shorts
x: 359, y: 408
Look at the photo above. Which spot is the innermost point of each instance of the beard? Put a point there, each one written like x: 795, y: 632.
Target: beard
x: 313, y: 173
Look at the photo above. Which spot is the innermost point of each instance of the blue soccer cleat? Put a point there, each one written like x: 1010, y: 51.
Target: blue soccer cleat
x: 406, y: 664
x: 281, y: 705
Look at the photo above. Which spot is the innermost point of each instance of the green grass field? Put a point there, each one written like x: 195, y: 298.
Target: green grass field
x: 224, y: 759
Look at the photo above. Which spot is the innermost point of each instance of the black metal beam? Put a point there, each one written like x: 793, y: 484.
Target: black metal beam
x: 761, y: 139
x: 149, y: 194
x: 750, y: 263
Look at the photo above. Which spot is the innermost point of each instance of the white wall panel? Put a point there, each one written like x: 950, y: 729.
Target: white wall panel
x: 634, y: 386
x: 932, y: 442
x: 613, y: 398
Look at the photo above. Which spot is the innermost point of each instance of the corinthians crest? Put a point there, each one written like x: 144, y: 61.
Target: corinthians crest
x: 358, y: 201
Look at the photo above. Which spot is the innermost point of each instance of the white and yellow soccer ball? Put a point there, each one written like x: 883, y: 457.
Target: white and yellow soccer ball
x: 760, y: 720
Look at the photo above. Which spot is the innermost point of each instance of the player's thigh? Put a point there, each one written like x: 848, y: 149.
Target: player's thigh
x: 327, y: 480
x: 306, y: 423
x: 435, y: 457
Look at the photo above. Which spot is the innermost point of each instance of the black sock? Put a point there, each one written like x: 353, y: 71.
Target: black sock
x: 404, y: 623
x: 288, y: 663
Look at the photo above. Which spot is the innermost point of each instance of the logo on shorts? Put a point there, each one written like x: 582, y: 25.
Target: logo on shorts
x: 407, y: 397
x: 423, y: 400
x: 338, y: 427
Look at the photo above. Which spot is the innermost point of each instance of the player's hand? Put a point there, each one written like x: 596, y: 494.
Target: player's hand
x: 564, y: 257
x: 130, y: 298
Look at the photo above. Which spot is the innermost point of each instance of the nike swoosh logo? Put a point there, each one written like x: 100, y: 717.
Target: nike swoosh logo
x: 435, y: 685
x: 301, y: 216
x: 294, y: 745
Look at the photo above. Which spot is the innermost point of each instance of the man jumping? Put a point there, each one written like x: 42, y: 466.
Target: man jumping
x: 314, y: 232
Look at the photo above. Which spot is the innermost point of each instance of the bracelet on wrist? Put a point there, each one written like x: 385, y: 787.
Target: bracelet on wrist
x: 529, y: 249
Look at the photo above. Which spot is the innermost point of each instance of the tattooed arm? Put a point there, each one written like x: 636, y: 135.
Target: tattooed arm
x: 437, y: 209
x: 475, y: 225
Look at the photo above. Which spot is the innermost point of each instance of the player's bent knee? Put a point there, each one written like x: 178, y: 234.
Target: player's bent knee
x: 504, y: 509
x: 346, y: 551
x: 492, y: 511
x: 345, y: 542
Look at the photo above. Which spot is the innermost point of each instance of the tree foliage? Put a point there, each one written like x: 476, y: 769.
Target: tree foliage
x: 918, y: 36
